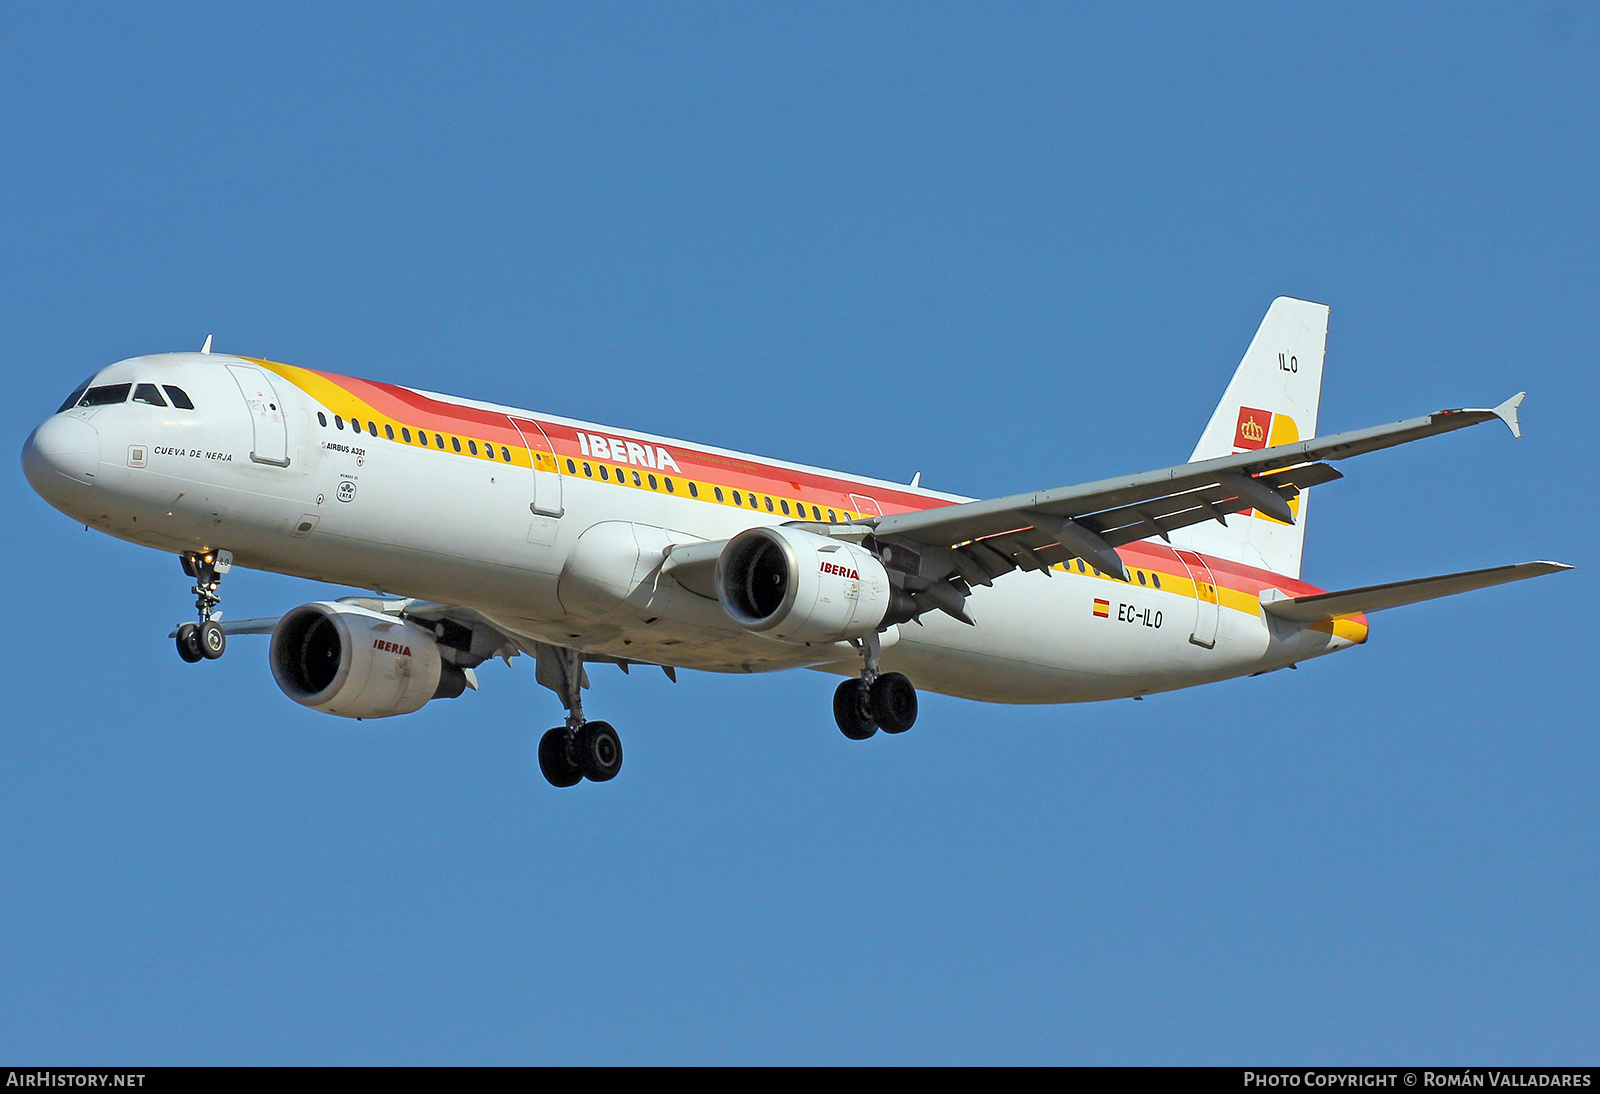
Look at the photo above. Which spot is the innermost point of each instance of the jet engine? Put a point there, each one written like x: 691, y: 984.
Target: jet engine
x: 801, y: 587
x: 346, y: 660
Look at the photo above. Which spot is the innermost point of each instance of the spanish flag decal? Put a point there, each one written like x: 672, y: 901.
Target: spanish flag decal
x: 1102, y: 608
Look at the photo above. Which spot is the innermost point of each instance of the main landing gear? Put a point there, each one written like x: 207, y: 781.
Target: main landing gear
x: 581, y: 749
x: 204, y: 640
x: 878, y: 700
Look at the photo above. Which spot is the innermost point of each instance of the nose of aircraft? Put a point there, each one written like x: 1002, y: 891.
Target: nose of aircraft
x: 61, y: 457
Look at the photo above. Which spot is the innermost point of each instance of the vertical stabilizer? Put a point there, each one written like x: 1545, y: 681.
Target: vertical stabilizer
x: 1272, y: 400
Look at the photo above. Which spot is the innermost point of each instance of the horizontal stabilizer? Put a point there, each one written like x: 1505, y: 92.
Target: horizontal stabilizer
x: 1371, y: 598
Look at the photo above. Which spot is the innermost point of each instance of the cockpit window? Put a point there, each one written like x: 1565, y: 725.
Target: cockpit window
x: 72, y: 400
x: 147, y: 393
x: 179, y: 399
x: 107, y: 395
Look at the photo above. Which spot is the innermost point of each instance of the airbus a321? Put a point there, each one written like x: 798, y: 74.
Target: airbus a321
x: 487, y: 531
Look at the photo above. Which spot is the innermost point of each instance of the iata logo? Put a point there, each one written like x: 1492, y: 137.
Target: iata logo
x: 840, y: 571
x: 1255, y: 426
x: 391, y: 647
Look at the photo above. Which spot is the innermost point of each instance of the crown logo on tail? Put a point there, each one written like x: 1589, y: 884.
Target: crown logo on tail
x: 1254, y: 427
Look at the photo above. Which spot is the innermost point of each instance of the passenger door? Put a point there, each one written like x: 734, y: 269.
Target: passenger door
x: 546, y: 481
x: 1207, y: 605
x: 271, y: 444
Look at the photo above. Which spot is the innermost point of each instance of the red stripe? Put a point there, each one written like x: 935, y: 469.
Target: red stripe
x: 749, y: 475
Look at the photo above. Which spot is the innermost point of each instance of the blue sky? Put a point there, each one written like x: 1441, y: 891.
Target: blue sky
x: 1007, y: 246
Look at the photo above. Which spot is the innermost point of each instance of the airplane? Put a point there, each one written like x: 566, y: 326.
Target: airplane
x: 487, y: 531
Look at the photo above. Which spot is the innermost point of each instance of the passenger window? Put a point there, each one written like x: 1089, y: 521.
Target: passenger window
x: 338, y: 421
x: 833, y: 518
x: 505, y: 454
x: 636, y: 480
x: 652, y: 482
x: 694, y: 491
x: 588, y: 472
x: 405, y: 434
x: 109, y: 395
x: 785, y: 506
x: 72, y: 400
x: 322, y: 419
x: 179, y: 399
x: 472, y: 447
x: 355, y: 424
x: 816, y: 514
x: 603, y: 476
x: 438, y: 441
x: 572, y: 468
x: 388, y: 430
x: 769, y: 504
x: 1141, y: 576
x: 717, y: 492
x: 372, y: 429
x: 736, y: 499
x: 147, y: 393
x: 455, y: 442
x: 422, y: 438
x: 488, y: 450
x: 1155, y: 579
x: 668, y: 484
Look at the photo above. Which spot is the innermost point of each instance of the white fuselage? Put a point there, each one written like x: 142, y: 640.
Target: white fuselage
x: 554, y: 555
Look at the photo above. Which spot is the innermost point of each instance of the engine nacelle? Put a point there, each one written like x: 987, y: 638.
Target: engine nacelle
x: 356, y: 663
x: 801, y: 587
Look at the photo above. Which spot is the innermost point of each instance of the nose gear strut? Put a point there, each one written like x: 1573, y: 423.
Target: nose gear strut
x: 204, y: 639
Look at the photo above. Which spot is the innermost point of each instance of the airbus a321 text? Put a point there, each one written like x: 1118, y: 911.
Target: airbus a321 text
x: 488, y: 531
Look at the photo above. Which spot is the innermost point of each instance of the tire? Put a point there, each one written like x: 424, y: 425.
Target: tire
x: 598, y: 750
x: 894, y: 702
x: 211, y: 639
x: 847, y: 712
x: 554, y: 764
x: 189, y: 643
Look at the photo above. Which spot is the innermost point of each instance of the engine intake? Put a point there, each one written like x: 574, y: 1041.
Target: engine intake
x: 356, y: 663
x: 801, y: 587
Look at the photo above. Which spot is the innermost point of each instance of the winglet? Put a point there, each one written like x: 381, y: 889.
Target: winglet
x: 1507, y: 412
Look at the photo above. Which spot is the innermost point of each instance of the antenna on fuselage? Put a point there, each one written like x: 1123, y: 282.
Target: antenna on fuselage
x: 916, y: 480
x: 207, y: 347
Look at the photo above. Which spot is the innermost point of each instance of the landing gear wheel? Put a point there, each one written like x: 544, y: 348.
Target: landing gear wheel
x: 893, y: 702
x: 598, y: 751
x: 849, y: 713
x: 554, y: 763
x: 211, y: 640
x: 189, y: 643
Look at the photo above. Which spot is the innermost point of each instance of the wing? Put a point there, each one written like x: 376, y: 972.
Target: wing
x: 467, y: 637
x: 945, y: 551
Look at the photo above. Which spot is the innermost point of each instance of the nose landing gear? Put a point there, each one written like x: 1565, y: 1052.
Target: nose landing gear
x: 581, y: 749
x: 204, y: 640
x: 878, y: 700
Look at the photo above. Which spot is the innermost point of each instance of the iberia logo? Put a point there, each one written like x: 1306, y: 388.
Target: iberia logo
x: 1102, y: 608
x: 1255, y: 426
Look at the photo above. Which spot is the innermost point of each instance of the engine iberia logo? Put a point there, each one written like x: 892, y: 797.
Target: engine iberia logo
x: 1255, y: 426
